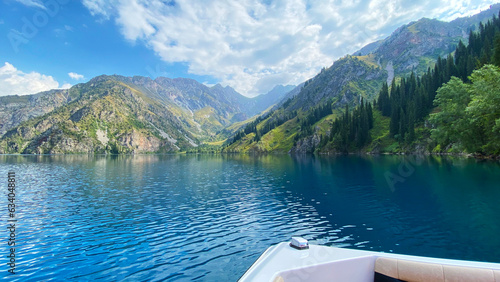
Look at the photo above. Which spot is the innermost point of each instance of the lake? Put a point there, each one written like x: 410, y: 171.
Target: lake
x: 204, y: 217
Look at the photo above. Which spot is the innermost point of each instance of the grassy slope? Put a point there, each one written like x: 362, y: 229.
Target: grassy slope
x: 380, y: 133
x: 383, y: 143
x: 223, y: 135
x: 281, y: 139
x: 369, y: 60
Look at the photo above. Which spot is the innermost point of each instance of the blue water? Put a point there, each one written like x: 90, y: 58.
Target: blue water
x: 208, y: 218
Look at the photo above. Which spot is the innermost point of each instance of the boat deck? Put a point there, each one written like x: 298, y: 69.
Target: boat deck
x: 320, y: 263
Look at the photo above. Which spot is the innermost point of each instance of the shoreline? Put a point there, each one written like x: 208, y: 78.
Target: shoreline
x: 462, y: 155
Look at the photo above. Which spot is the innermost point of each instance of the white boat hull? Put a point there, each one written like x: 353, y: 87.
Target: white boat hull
x: 320, y: 263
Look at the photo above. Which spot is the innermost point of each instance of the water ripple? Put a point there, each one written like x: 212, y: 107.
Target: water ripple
x: 156, y: 218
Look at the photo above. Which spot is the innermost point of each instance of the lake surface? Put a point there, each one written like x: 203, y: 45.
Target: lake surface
x: 157, y: 217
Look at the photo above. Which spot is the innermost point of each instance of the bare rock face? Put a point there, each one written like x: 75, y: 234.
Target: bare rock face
x: 138, y: 143
x: 54, y: 141
x: 306, y: 145
x: 64, y: 144
x: 102, y: 136
x: 409, y: 46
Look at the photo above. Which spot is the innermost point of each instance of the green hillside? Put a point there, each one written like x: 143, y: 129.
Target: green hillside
x: 108, y: 117
x: 398, y: 121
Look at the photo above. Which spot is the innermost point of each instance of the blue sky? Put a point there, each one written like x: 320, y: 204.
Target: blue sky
x: 251, y: 45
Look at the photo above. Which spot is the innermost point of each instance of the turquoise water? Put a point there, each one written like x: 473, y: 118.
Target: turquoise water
x: 208, y: 218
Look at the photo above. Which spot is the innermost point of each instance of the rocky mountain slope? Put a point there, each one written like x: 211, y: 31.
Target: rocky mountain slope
x: 106, y: 115
x: 346, y: 81
x: 414, y: 46
x: 122, y: 115
x: 276, y: 95
x: 17, y: 109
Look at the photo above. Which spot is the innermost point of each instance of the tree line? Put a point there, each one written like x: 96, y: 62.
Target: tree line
x: 352, y: 129
x: 272, y: 120
x: 411, y: 100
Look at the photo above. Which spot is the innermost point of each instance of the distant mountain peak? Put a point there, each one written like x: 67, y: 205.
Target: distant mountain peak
x: 279, y: 90
x: 412, y: 46
x: 281, y: 86
x: 227, y: 87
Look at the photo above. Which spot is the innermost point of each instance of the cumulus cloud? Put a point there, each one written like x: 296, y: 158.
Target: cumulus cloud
x: 252, y: 45
x: 16, y: 82
x: 75, y: 76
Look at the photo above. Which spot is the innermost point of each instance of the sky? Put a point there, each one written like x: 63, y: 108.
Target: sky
x: 250, y: 45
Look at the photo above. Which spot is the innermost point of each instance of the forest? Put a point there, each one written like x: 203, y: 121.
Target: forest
x: 459, y: 88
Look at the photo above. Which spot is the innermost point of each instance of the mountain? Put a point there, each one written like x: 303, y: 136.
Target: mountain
x: 203, y: 110
x: 414, y: 47
x: 17, y: 109
x: 262, y: 102
x: 105, y: 115
x: 123, y: 114
x: 256, y: 105
x: 436, y: 31
x: 346, y: 81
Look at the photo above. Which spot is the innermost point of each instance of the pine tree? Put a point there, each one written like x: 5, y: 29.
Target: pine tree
x: 496, y: 51
x: 384, y: 104
x: 394, y: 124
x: 370, y: 116
x: 410, y: 137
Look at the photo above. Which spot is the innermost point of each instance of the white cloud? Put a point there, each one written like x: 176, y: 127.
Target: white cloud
x: 32, y: 3
x: 463, y: 9
x: 16, y: 82
x: 99, y: 7
x: 75, y: 76
x: 207, y: 84
x: 66, y: 86
x: 252, y: 45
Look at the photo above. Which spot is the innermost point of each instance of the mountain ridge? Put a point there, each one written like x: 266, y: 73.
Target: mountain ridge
x: 412, y: 48
x: 161, y: 115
